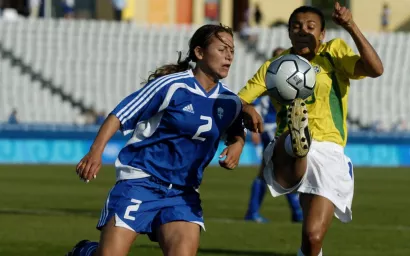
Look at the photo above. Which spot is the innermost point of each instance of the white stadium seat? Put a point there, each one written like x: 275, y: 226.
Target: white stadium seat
x: 101, y: 62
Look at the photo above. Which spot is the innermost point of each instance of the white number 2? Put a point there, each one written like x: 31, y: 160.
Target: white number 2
x: 132, y: 208
x: 203, y: 128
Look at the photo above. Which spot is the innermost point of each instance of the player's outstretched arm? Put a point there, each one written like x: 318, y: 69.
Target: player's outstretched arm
x: 251, y: 118
x: 90, y: 165
x: 369, y: 63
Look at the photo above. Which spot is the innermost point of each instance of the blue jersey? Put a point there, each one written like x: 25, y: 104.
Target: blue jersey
x: 176, y: 127
x: 265, y: 108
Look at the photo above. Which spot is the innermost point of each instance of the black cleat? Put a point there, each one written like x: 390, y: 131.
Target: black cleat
x: 76, y: 249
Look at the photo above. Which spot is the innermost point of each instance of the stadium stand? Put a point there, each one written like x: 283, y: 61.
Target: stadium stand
x: 97, y: 63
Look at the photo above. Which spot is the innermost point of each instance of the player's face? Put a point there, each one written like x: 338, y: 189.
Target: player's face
x: 218, y: 56
x: 305, y: 33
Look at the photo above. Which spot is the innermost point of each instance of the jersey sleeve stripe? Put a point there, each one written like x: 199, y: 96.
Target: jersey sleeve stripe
x: 148, y: 92
x: 143, y: 101
x: 145, y: 90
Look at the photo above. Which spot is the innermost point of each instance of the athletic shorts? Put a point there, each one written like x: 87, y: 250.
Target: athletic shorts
x: 142, y: 205
x: 329, y: 174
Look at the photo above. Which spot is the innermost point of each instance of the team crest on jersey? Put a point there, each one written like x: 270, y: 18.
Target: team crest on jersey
x: 220, y: 112
x: 316, y: 68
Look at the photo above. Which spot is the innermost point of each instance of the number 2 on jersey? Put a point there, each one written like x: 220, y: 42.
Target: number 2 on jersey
x: 203, y: 128
x: 132, y: 208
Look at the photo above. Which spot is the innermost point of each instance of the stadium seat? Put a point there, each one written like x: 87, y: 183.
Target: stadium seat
x: 100, y: 62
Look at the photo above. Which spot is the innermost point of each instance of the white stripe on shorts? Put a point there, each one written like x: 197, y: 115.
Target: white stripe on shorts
x: 104, y: 211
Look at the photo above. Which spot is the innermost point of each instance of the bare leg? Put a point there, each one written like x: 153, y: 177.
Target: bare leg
x: 115, y: 241
x: 288, y: 170
x: 179, y: 238
x: 317, y: 214
x: 290, y: 164
x: 291, y: 148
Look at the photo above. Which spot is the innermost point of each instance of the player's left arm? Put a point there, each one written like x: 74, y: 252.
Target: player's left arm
x: 235, y: 141
x: 369, y: 63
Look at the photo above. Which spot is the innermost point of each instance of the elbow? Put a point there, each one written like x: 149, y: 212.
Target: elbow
x: 377, y: 72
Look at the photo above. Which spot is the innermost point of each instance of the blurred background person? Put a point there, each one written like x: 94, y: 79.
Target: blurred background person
x: 385, y: 17
x: 13, y: 117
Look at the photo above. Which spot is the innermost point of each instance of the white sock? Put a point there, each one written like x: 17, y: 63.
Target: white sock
x: 300, y: 253
x: 288, y: 146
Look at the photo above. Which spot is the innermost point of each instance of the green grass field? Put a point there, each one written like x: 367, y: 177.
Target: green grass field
x: 45, y: 210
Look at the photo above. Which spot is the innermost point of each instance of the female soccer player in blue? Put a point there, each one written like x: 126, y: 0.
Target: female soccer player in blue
x: 176, y: 121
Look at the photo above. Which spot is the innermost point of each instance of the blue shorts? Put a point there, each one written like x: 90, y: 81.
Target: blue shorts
x: 143, y: 205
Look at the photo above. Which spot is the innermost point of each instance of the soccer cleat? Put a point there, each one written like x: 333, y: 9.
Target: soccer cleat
x: 297, y: 216
x: 77, y: 248
x: 298, y: 127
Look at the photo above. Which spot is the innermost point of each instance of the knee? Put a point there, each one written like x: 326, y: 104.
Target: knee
x: 314, y: 237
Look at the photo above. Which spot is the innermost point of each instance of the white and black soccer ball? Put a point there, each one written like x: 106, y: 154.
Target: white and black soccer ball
x: 289, y: 77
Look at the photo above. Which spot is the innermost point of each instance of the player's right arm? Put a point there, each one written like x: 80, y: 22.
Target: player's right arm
x: 138, y: 106
x: 254, y: 88
x: 90, y: 164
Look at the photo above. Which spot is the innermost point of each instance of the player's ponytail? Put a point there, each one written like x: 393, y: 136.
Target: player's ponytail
x: 180, y: 66
x: 202, y: 38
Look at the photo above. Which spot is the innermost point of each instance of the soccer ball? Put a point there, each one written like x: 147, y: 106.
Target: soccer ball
x: 289, y: 77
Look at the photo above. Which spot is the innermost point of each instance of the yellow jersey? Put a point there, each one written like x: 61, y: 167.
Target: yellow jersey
x: 334, y: 65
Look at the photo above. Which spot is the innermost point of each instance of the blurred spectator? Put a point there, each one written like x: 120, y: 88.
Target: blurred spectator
x: 10, y: 14
x: 84, y: 9
x: 117, y: 7
x: 385, y: 18
x: 128, y: 12
x: 90, y: 117
x: 100, y: 118
x: 68, y: 8
x: 13, y: 117
x: 258, y: 16
x: 86, y: 118
x: 12, y: 9
x: 34, y: 7
x: 379, y: 126
x: 400, y: 126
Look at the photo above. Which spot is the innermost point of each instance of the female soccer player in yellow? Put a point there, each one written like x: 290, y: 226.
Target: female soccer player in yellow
x: 309, y: 156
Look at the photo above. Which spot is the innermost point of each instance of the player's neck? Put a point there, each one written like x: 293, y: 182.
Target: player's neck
x: 310, y: 56
x: 207, y: 81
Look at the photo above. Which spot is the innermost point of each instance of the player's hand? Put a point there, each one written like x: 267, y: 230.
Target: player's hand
x: 256, y: 138
x: 342, y: 16
x: 89, y: 166
x: 251, y: 119
x: 232, y: 153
